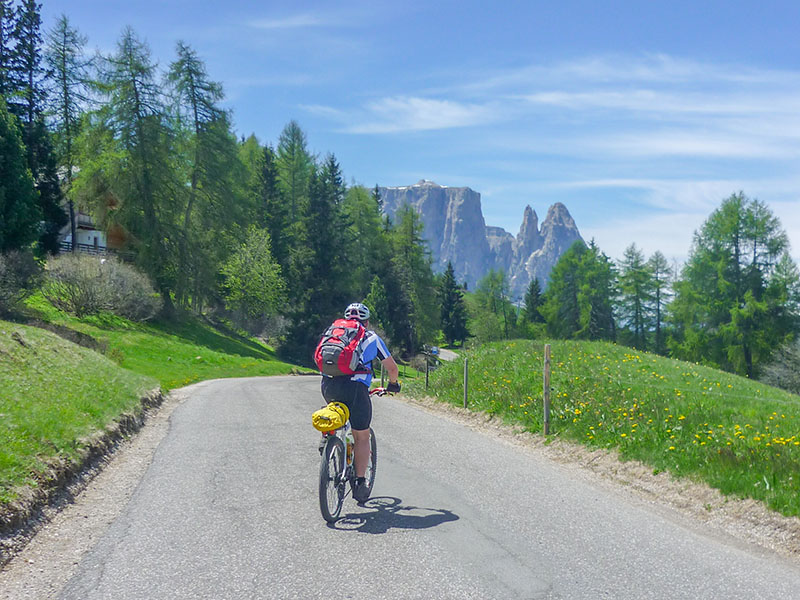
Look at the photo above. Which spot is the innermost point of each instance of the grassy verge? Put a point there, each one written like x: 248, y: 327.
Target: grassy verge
x: 735, y: 434
x: 53, y: 395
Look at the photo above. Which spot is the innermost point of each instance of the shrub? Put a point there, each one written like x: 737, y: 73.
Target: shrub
x: 20, y: 274
x: 132, y: 295
x: 782, y: 372
x: 84, y: 285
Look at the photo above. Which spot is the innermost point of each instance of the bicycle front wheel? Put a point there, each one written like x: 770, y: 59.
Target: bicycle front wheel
x: 331, y: 479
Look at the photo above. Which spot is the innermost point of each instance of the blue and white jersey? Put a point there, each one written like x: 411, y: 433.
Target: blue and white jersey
x: 372, y: 347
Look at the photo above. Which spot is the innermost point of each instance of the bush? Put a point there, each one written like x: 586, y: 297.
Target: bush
x: 782, y: 372
x: 84, y: 285
x: 132, y: 294
x: 20, y: 274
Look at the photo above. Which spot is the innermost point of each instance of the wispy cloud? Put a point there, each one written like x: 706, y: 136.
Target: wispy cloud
x: 408, y: 113
x: 300, y: 20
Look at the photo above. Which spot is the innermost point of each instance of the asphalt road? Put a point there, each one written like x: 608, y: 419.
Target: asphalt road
x: 228, y: 509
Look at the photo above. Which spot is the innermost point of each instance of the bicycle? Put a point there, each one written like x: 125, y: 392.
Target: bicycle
x: 337, y: 469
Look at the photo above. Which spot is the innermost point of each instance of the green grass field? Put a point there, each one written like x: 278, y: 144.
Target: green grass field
x: 735, y: 434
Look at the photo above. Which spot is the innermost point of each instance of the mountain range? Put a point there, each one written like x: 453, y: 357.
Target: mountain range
x: 456, y: 232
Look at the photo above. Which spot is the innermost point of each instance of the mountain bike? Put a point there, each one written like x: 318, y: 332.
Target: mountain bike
x: 337, y: 473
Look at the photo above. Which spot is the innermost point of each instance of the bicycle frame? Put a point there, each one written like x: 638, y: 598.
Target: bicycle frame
x: 349, y: 453
x: 348, y: 475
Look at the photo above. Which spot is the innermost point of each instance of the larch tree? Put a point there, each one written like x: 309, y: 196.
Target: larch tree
x: 128, y: 171
x: 212, y: 174
x: 730, y: 309
x: 70, y: 85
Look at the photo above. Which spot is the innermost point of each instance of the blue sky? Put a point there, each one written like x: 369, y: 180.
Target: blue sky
x: 640, y: 116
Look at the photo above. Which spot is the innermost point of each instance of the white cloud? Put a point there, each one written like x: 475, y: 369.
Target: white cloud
x: 301, y: 20
x: 408, y: 113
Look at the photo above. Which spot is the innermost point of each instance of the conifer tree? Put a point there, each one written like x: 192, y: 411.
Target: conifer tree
x: 636, y: 296
x: 8, y: 19
x: 453, y: 310
x: 127, y: 171
x: 212, y: 176
x: 412, y: 271
x: 69, y: 96
x: 19, y: 210
x: 27, y: 101
x: 662, y: 275
x: 295, y: 166
x: 578, y: 300
x: 533, y: 300
x: 730, y: 309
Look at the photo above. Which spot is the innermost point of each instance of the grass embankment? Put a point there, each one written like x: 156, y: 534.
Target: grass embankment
x: 54, y: 395
x: 735, y: 434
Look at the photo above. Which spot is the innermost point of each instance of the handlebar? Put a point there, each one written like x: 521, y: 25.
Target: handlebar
x: 380, y: 391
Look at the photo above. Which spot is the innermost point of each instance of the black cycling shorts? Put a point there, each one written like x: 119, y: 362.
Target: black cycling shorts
x: 354, y: 395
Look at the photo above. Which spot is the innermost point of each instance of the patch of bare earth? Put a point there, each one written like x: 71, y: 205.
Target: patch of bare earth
x: 748, y: 521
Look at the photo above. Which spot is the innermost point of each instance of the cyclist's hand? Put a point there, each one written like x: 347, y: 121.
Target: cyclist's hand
x: 393, y: 387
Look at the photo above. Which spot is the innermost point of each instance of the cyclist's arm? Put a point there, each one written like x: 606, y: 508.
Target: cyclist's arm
x: 391, y: 366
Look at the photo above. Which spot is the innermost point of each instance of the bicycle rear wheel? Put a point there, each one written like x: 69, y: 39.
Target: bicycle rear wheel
x: 331, y: 479
x: 372, y: 466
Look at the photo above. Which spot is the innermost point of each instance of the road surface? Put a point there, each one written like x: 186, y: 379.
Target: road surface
x: 228, y: 509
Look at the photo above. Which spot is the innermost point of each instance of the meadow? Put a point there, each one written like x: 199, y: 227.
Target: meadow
x: 735, y: 434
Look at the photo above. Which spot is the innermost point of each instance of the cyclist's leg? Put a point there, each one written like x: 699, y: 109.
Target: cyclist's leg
x: 355, y: 395
x: 360, y: 419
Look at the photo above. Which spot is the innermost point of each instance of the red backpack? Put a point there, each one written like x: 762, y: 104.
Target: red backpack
x: 339, y: 350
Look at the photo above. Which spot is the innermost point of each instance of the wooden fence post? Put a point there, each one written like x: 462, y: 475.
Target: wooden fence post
x: 546, y: 389
x: 466, y: 379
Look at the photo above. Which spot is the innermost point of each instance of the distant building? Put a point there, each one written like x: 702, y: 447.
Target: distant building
x: 90, y: 239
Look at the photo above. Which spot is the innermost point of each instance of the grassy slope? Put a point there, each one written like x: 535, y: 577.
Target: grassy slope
x: 738, y: 435
x: 52, y: 395
x: 176, y: 353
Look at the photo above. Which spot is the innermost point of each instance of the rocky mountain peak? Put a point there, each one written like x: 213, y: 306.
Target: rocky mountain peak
x: 456, y: 232
x: 529, y: 238
x: 558, y: 216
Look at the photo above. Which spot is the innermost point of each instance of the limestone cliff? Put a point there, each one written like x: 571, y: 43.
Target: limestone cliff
x: 456, y: 232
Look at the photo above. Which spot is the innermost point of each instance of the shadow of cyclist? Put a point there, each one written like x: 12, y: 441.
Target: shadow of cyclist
x: 387, y: 512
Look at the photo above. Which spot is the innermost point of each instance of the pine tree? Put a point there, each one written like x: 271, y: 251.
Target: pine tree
x: 69, y: 96
x: 662, y: 275
x: 578, y: 300
x: 378, y: 304
x: 127, y: 172
x: 28, y: 99
x: 8, y: 20
x: 411, y: 268
x: 212, y: 176
x: 636, y: 296
x: 533, y: 301
x: 453, y: 310
x: 730, y: 310
x: 295, y: 166
x: 19, y: 210
x: 28, y: 93
x: 370, y: 252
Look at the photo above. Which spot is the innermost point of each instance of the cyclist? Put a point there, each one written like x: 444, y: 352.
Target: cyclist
x: 353, y: 390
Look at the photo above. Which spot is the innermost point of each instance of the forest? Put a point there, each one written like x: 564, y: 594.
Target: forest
x: 269, y: 237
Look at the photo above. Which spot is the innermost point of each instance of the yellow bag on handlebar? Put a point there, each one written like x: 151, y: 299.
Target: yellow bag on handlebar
x: 333, y: 416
